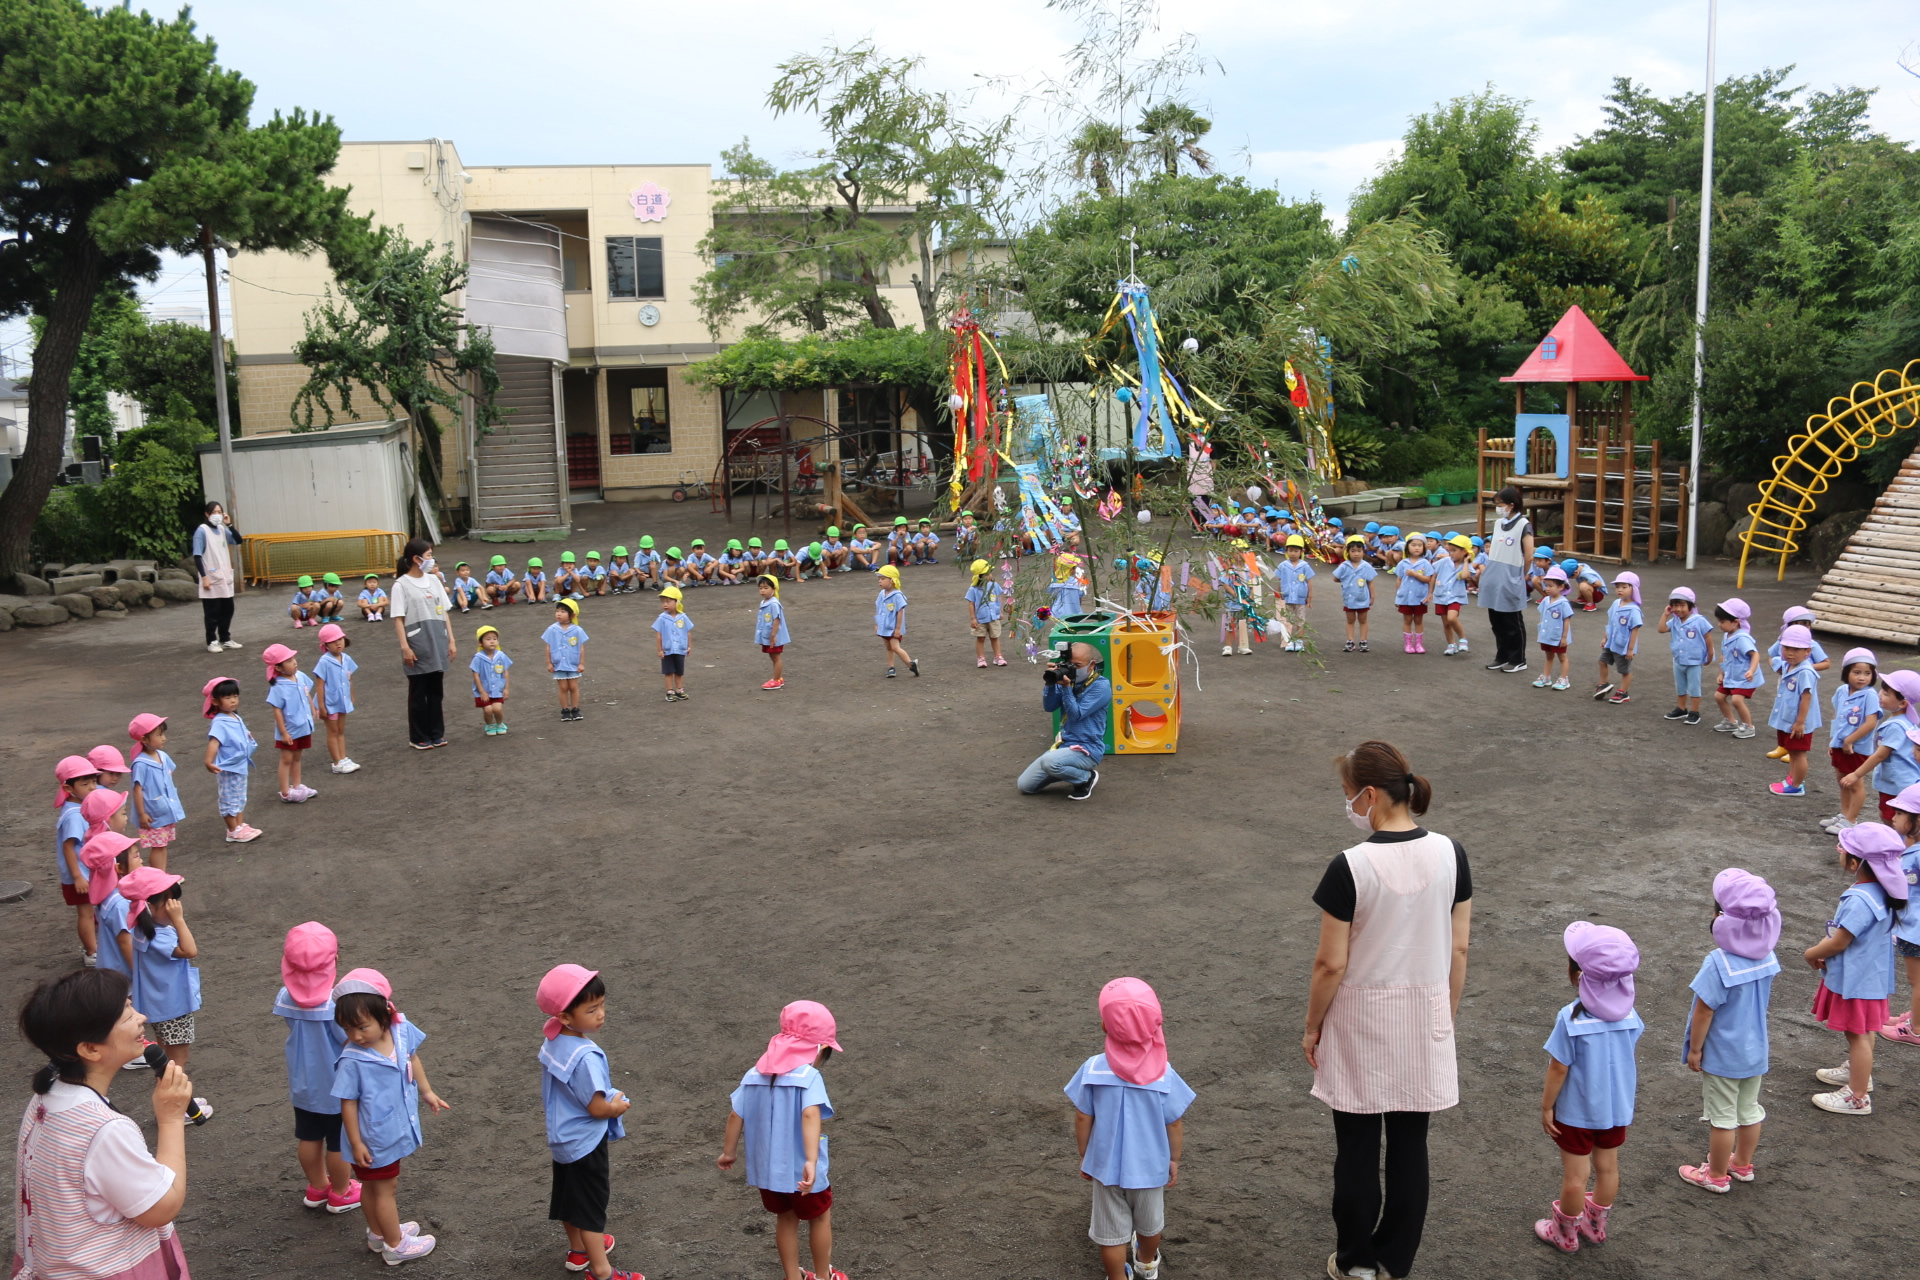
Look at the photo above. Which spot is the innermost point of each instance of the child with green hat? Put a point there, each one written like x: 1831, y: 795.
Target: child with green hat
x: 782, y: 563
x: 332, y: 602
x: 646, y: 564
x: 566, y: 578
x: 673, y: 569
x: 926, y: 541
x: 373, y: 601
x: 730, y: 568
x: 536, y: 581
x: 593, y: 576
x: 811, y: 558
x: 863, y: 552
x: 900, y: 542
x: 305, y: 605
x: 465, y: 589
x: 500, y: 586
x: 758, y: 561
x: 833, y: 552
x: 966, y: 537
x: 700, y: 565
x: 620, y: 575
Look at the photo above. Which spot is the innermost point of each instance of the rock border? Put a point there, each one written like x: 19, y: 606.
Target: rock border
x: 106, y: 592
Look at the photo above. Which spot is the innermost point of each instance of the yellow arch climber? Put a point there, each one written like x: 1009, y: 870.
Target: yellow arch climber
x: 1852, y: 424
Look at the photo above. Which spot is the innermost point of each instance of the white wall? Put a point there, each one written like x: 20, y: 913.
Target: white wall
x: 351, y: 477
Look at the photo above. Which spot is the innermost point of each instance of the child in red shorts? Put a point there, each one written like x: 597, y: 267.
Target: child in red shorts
x: 1856, y: 713
x: 1591, y: 1082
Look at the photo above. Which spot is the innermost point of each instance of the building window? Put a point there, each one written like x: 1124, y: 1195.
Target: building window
x: 635, y: 267
x: 638, y: 412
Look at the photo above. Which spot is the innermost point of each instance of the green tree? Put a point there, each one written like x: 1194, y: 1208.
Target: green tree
x: 146, y: 506
x: 120, y: 135
x: 155, y: 361
x: 1170, y: 132
x: 397, y: 337
x: 1101, y: 154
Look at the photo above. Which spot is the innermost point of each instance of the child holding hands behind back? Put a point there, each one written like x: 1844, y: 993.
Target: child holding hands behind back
x: 1128, y: 1107
x: 583, y: 1115
x: 1592, y: 1078
x: 1855, y: 961
x: 1727, y: 1036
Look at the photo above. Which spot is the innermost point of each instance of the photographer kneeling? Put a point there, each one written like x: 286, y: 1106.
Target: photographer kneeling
x: 1084, y: 697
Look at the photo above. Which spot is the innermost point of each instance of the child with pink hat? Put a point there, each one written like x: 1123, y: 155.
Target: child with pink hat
x: 583, y: 1115
x: 156, y: 801
x: 78, y: 776
x: 1740, y: 676
x: 1622, y: 642
x: 1856, y: 713
x: 1855, y: 961
x: 1690, y: 637
x: 1796, y: 710
x: 777, y: 1109
x: 314, y: 1042
x: 290, y: 694
x: 1727, y: 1036
x: 333, y: 694
x: 108, y: 856
x: 1556, y: 629
x: 230, y: 748
x: 166, y: 985
x: 1128, y: 1103
x: 1906, y: 924
x: 1592, y: 1080
x: 1892, y: 763
x: 381, y: 1082
x: 112, y: 765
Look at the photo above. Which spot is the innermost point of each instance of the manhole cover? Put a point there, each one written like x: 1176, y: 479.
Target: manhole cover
x: 15, y: 890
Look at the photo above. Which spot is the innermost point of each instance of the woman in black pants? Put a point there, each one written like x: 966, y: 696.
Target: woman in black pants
x: 1503, y: 581
x: 213, y: 543
x: 419, y: 603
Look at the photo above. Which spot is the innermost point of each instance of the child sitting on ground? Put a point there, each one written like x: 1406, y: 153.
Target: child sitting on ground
x: 1739, y: 669
x: 467, y: 591
x: 673, y: 640
x: 646, y: 562
x: 305, y: 605
x: 1854, y: 961
x: 782, y: 563
x: 673, y: 569
x: 593, y: 576
x: 833, y: 552
x: 1690, y: 637
x: 1727, y: 1037
x: 730, y: 567
x: 1856, y: 712
x: 1592, y: 1078
x: 536, y: 581
x: 621, y: 575
x: 966, y: 537
x: 862, y: 551
x: 583, y: 1115
x: 1355, y: 576
x: 1556, y: 629
x: 1622, y: 644
x: 926, y: 541
x: 501, y: 586
x: 332, y: 602
x: 492, y: 682
x: 778, y: 1108
x: 1796, y: 710
x: 566, y: 578
x: 373, y: 601
x: 900, y: 543
x: 1128, y: 1104
x: 699, y: 564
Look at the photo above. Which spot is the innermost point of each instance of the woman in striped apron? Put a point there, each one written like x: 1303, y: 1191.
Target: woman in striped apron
x: 1395, y: 913
x: 92, y: 1203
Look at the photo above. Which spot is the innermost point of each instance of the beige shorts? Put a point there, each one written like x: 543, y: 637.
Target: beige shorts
x: 1731, y: 1104
x: 987, y: 630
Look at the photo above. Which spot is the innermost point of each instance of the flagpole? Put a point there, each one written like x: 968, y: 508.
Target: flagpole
x: 1700, y: 295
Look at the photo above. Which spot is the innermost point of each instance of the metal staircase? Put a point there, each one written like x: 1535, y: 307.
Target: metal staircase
x: 521, y: 493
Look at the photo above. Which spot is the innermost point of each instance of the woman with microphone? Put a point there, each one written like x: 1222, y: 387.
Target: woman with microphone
x: 92, y: 1203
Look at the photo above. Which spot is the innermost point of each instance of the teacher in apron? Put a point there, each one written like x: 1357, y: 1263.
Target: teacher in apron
x: 1395, y: 912
x: 419, y: 602
x: 213, y: 542
x: 1503, y: 581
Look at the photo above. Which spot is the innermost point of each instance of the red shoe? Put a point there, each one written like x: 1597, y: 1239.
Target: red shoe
x: 338, y: 1203
x: 577, y: 1261
x: 774, y: 684
x: 836, y: 1273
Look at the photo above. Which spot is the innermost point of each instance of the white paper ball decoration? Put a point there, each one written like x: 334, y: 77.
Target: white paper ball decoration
x: 956, y: 402
x: 1253, y: 493
x: 1144, y: 516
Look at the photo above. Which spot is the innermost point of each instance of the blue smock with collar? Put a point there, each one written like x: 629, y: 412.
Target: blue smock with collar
x: 68, y: 824
x: 1602, y: 1076
x: 1899, y: 770
x: 165, y: 986
x: 387, y: 1094
x: 1864, y: 971
x: 1738, y: 991
x: 153, y: 774
x: 674, y: 630
x: 770, y: 1110
x: 1129, y: 1146
x: 770, y: 623
x: 573, y: 1070
x: 1353, y: 577
x: 336, y: 672
x: 1066, y: 597
x: 109, y: 922
x: 985, y: 600
x: 293, y: 695
x: 314, y: 1042
x: 1851, y: 709
x: 1293, y: 578
x: 888, y: 610
x: 1786, y: 699
x: 1083, y: 713
x: 1623, y: 619
x: 1687, y: 637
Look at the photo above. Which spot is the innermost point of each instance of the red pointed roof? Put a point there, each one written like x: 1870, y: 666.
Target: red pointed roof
x: 1575, y: 352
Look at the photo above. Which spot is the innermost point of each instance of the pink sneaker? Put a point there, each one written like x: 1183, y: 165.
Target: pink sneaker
x: 1740, y: 1172
x: 1701, y: 1176
x: 1899, y: 1033
x: 338, y: 1203
x: 1901, y: 1021
x: 835, y: 1272
x: 999, y: 662
x: 980, y: 662
x: 312, y: 1197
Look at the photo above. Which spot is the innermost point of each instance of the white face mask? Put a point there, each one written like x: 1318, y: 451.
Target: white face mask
x: 426, y: 566
x: 1503, y: 512
x: 216, y: 519
x: 1363, y: 821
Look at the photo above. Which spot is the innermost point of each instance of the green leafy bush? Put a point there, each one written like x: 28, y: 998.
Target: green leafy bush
x: 145, y: 509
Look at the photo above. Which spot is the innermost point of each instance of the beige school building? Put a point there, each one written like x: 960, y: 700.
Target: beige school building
x: 586, y: 276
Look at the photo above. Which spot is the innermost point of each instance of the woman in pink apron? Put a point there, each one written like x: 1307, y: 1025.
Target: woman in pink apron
x: 1395, y: 915
x: 92, y: 1203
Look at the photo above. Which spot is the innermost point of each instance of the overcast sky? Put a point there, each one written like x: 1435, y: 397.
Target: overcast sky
x: 1305, y: 96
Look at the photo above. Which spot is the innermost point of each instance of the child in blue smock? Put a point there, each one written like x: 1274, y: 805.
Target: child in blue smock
x: 1727, y: 1034
x: 500, y: 586
x: 899, y: 542
x: 1855, y: 960
x: 1293, y: 581
x: 1450, y: 575
x: 583, y: 1115
x: 672, y: 641
x: 1805, y: 617
x: 373, y: 601
x: 777, y: 1109
x: 1906, y: 924
x: 1355, y: 577
x: 154, y: 800
x: 333, y: 695
x: 1067, y: 587
x: 983, y: 613
x: 864, y: 552
x: 230, y: 748
x: 166, y: 986
x: 290, y: 694
x: 77, y: 777
x: 1690, y: 638
x: 1740, y: 676
x: 314, y: 1043
x: 381, y: 1082
x: 1555, y: 632
x: 1416, y: 588
x: 117, y: 856
x: 566, y: 643
x: 492, y: 681
x: 467, y: 590
x: 1592, y: 1080
x: 770, y: 628
x: 1622, y: 643
x: 1892, y: 764
x: 1128, y: 1105
x: 890, y: 620
x: 926, y: 541
x: 1796, y: 711
x: 1856, y: 713
x: 647, y: 564
x: 305, y: 605
x: 535, y: 579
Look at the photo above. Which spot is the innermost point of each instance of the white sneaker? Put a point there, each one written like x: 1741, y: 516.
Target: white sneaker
x: 375, y: 1244
x: 1543, y: 683
x: 1562, y: 685
x: 1463, y: 646
x: 346, y: 766
x: 1844, y: 1102
x: 1451, y: 649
x: 411, y: 1248
x: 1244, y: 652
x: 1743, y: 731
x: 1226, y: 651
x: 1839, y: 1075
x: 233, y: 644
x: 1725, y: 726
x: 214, y: 647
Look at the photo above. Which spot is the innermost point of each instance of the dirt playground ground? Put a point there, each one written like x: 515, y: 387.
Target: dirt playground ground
x: 859, y: 841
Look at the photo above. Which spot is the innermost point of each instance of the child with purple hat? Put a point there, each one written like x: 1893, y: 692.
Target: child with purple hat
x: 1592, y: 1078
x: 1128, y: 1103
x: 1556, y: 628
x: 1690, y: 636
x: 1855, y: 961
x: 583, y: 1115
x: 1856, y: 710
x: 1796, y: 710
x: 1906, y: 924
x: 1622, y: 645
x: 1740, y: 675
x: 777, y: 1108
x: 1727, y: 1035
x: 1892, y: 762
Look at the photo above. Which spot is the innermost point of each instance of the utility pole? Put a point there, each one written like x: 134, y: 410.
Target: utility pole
x: 1700, y: 295
x: 219, y: 350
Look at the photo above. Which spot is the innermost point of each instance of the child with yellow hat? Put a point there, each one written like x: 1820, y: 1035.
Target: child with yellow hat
x: 491, y: 682
x: 673, y: 640
x: 890, y: 620
x: 1293, y: 583
x: 1069, y: 583
x: 983, y: 612
x: 566, y: 645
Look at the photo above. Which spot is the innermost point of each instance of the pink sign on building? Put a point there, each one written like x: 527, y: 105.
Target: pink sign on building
x: 650, y: 202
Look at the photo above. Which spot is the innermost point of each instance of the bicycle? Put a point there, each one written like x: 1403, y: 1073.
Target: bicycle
x: 691, y: 484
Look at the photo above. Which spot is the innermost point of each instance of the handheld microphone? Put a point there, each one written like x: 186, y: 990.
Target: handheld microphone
x: 156, y: 1057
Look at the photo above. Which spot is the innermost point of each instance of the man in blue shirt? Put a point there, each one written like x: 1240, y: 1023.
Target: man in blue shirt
x: 1084, y: 698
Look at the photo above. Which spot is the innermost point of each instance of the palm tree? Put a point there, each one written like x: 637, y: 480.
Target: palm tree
x: 1100, y: 152
x: 1172, y: 130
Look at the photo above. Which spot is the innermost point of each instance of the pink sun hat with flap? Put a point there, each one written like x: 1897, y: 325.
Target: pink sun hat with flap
x: 1796, y: 637
x: 1632, y: 580
x: 331, y: 632
x: 806, y: 1027
x: 1136, y: 1034
x: 101, y: 857
x: 69, y: 768
x: 109, y: 760
x: 307, y: 963
x: 142, y: 725
x: 100, y: 805
x: 1907, y: 685
x: 275, y: 655
x: 1740, y: 610
x: 1607, y: 960
x: 557, y: 990
x: 206, y: 694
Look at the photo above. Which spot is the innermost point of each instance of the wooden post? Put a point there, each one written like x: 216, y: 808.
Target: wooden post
x: 1632, y: 487
x: 602, y: 431
x: 1653, y: 506
x: 1480, y: 482
x: 1681, y: 523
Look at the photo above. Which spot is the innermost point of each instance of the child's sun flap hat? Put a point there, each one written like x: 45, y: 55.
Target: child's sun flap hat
x: 1607, y: 960
x: 1748, y: 925
x: 806, y: 1027
x: 307, y: 962
x: 557, y: 991
x: 1880, y: 847
x: 1136, y: 1035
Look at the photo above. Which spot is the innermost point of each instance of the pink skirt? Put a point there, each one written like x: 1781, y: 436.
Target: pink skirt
x: 1843, y: 1014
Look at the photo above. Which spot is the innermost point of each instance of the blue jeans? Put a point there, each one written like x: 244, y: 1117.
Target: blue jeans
x: 1686, y: 680
x: 1062, y: 764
